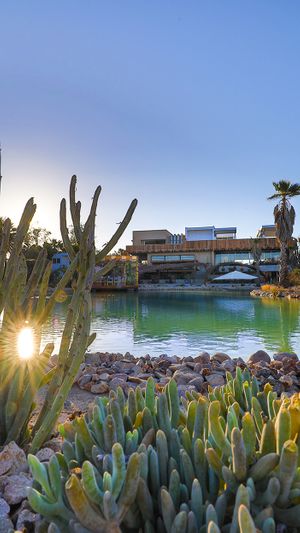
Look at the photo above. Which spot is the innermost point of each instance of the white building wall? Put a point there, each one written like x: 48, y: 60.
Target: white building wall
x: 199, y: 234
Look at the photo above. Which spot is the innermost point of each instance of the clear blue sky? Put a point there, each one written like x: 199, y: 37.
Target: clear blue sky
x: 190, y: 106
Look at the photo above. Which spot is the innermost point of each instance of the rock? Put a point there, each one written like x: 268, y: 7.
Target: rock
x: 197, y: 383
x: 104, y: 376
x: 203, y: 358
x: 119, y: 382
x: 188, y: 359
x: 12, y: 460
x: 280, y: 356
x: 215, y: 380
x: 55, y: 444
x: 44, y: 454
x: 6, y: 525
x: 259, y: 356
x: 287, y: 381
x: 182, y: 389
x: 4, y: 509
x: 220, y: 357
x: 100, y: 388
x: 15, y: 488
x: 86, y: 378
x: 27, y: 519
x: 228, y: 365
x: 199, y: 367
x: 183, y: 377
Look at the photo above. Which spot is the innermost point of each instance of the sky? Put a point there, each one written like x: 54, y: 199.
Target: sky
x: 190, y: 106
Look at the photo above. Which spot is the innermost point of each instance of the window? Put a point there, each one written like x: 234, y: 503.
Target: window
x: 245, y: 257
x: 187, y: 258
x: 171, y: 258
x: 153, y: 241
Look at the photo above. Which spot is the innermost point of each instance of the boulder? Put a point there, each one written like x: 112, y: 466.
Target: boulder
x: 12, y: 460
x: 220, y: 357
x: 228, y: 365
x: 4, y: 509
x: 44, y: 454
x: 197, y: 382
x: 104, y: 376
x: 15, y: 488
x: 280, y: 356
x: 119, y: 382
x: 184, y: 376
x: 27, y: 520
x: 203, y: 358
x: 215, y: 380
x: 6, y: 525
x: 100, y: 388
x: 287, y: 381
x: 259, y: 356
x: 86, y: 378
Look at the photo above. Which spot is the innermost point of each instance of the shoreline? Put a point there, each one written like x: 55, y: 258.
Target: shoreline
x: 291, y: 293
x: 104, y: 371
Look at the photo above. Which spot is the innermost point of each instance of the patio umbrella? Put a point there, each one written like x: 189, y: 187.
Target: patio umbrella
x: 236, y: 275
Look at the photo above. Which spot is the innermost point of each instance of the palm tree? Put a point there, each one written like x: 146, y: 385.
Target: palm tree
x: 284, y: 216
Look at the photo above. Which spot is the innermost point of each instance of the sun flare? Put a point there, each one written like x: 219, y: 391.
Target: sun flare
x: 25, y: 343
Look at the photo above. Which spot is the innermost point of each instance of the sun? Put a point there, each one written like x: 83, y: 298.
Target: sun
x: 25, y: 343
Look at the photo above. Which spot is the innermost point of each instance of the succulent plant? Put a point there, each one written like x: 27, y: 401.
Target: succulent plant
x: 205, y: 463
x: 24, y: 303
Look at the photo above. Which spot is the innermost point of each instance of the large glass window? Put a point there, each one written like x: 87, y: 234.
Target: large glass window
x: 245, y: 257
x: 171, y: 258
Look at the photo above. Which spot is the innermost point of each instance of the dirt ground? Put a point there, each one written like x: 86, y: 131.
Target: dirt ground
x: 77, y: 402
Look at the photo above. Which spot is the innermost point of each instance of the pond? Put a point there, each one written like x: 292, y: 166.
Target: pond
x: 187, y: 323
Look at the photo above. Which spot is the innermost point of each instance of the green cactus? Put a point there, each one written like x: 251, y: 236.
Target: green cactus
x: 20, y: 380
x: 183, y: 479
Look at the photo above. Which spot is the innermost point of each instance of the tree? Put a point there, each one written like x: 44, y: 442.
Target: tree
x: 284, y: 216
x: 256, y: 251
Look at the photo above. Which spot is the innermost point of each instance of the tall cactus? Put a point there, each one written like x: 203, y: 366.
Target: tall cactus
x: 24, y: 303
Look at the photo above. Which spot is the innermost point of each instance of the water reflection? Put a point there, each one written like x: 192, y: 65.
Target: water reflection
x: 186, y: 323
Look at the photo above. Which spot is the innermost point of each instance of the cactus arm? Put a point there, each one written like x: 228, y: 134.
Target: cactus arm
x: 239, y: 459
x: 287, y: 470
x: 180, y: 523
x: 217, y: 430
x: 145, y: 501
x: 264, y: 466
x: 113, y: 241
x: 150, y: 395
x: 282, y: 428
x: 64, y: 230
x: 84, y: 512
x: 168, y: 509
x: 119, y: 469
x: 75, y: 209
x: 90, y: 485
x: 130, y: 486
x: 245, y: 521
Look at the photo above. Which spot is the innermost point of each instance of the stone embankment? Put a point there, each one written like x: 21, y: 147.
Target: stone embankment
x: 290, y: 293
x: 102, y: 372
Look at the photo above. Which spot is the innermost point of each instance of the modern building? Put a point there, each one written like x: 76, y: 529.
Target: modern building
x: 267, y: 231
x: 156, y: 236
x: 209, y: 233
x: 202, y: 249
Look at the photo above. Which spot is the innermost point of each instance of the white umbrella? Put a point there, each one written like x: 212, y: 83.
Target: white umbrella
x: 236, y: 275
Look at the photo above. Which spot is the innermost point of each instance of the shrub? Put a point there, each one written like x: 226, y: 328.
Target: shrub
x: 275, y: 290
x: 294, y: 277
x: 151, y: 463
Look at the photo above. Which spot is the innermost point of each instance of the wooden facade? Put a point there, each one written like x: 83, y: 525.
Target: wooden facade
x: 222, y: 245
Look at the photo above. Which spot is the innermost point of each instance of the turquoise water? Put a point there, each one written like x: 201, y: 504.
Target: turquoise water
x: 185, y: 323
